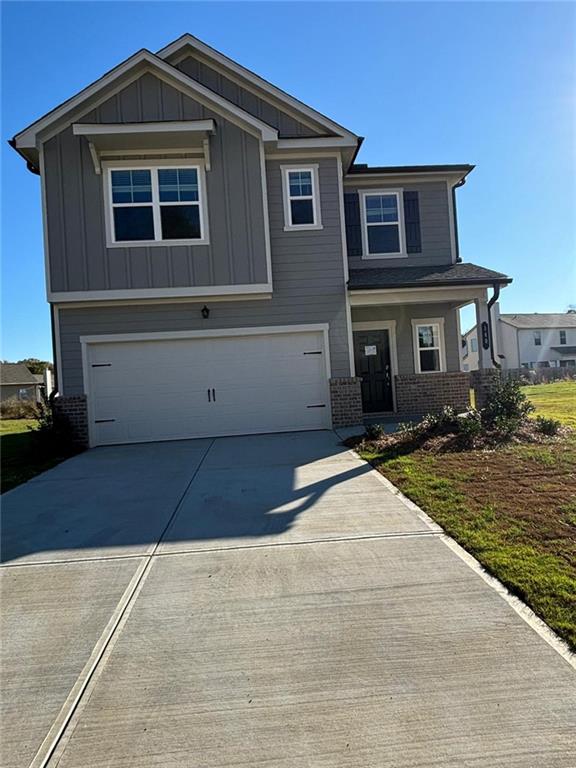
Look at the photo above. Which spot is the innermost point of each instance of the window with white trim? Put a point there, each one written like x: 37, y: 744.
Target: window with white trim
x: 562, y: 337
x: 301, y: 198
x: 383, y: 223
x: 537, y: 338
x: 156, y: 205
x: 429, y: 346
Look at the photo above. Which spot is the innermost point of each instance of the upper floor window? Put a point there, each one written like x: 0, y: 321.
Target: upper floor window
x: 156, y: 205
x: 562, y: 337
x: 383, y: 224
x: 429, y: 356
x: 301, y: 198
x: 474, y: 344
x: 537, y: 338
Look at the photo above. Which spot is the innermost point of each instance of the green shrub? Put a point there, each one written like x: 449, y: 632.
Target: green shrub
x: 375, y: 431
x: 52, y: 431
x: 470, y: 425
x: 18, y: 409
x: 506, y: 409
x: 548, y: 427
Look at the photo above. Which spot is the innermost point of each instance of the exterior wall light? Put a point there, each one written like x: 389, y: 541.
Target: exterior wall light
x: 205, y: 312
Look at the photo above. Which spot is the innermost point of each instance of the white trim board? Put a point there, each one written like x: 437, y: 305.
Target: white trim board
x: 416, y: 349
x: 311, y: 168
x: 384, y: 296
x: 227, y: 292
x: 193, y: 300
x: 153, y: 166
x: 214, y: 333
x: 398, y: 193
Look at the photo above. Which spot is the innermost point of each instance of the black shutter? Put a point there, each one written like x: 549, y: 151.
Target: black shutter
x: 353, y: 224
x: 412, y: 222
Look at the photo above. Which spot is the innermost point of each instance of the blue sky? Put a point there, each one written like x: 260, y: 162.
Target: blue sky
x: 485, y: 83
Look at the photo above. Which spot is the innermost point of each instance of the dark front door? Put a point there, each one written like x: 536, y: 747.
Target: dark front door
x: 372, y: 357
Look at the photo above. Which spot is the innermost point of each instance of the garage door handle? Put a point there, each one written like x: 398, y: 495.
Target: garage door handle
x: 214, y: 395
x: 209, y: 399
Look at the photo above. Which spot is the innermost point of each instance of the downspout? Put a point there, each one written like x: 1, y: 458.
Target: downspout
x: 489, y: 306
x: 54, y: 355
x: 455, y: 216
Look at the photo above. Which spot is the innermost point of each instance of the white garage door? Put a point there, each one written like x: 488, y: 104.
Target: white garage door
x: 166, y: 389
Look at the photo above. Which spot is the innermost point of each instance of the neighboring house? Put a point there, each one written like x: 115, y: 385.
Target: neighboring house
x: 218, y: 264
x: 536, y: 340
x: 470, y: 355
x: 18, y: 383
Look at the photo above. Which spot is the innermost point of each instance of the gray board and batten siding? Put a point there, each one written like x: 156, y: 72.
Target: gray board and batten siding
x: 79, y: 258
x: 427, y: 219
x: 287, y: 126
x: 309, y: 288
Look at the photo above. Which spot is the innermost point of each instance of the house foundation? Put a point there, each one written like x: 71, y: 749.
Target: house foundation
x: 422, y: 393
x: 346, y: 396
x: 74, y: 410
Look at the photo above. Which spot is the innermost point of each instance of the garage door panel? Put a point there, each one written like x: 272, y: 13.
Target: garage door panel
x: 158, y: 389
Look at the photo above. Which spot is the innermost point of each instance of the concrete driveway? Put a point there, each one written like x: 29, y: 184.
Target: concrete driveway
x: 258, y: 601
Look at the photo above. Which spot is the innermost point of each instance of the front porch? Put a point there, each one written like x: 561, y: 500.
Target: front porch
x: 407, y: 349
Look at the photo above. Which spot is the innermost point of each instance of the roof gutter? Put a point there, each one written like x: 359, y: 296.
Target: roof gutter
x: 490, y: 304
x: 31, y: 167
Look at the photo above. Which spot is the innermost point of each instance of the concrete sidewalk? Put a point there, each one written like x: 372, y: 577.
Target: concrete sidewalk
x: 259, y: 601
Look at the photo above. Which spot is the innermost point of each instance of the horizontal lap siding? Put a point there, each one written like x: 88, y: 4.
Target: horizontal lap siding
x: 434, y: 227
x: 79, y: 258
x: 308, y: 278
x: 403, y: 315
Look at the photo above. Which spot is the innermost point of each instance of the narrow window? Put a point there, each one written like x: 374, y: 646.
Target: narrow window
x: 537, y: 338
x: 132, y: 205
x: 474, y: 344
x: 301, y: 206
x: 562, y: 337
x: 383, y: 224
x: 154, y: 205
x: 429, y: 346
x: 179, y: 203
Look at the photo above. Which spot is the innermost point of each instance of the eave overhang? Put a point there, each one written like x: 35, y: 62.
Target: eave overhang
x: 109, y: 139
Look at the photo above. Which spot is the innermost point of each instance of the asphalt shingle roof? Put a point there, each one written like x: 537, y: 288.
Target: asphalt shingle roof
x: 537, y: 320
x: 414, y: 277
x: 15, y: 373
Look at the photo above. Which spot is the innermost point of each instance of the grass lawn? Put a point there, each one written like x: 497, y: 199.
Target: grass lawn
x: 20, y: 458
x: 514, y: 509
x: 556, y: 400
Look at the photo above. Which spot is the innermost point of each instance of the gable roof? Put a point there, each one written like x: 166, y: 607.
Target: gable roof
x: 187, y: 43
x: 25, y: 142
x: 424, y: 277
x: 537, y: 320
x: 16, y: 373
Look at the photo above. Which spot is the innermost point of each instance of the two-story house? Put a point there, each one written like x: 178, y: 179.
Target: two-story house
x: 536, y: 340
x: 218, y: 264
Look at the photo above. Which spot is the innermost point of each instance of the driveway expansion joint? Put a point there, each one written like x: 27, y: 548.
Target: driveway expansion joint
x: 90, y: 672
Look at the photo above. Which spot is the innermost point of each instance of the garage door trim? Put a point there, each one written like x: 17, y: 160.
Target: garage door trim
x: 86, y: 341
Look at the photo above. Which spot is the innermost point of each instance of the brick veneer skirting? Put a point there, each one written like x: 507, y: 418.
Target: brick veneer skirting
x: 418, y: 394
x: 346, y: 396
x: 483, y: 382
x: 75, y: 411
